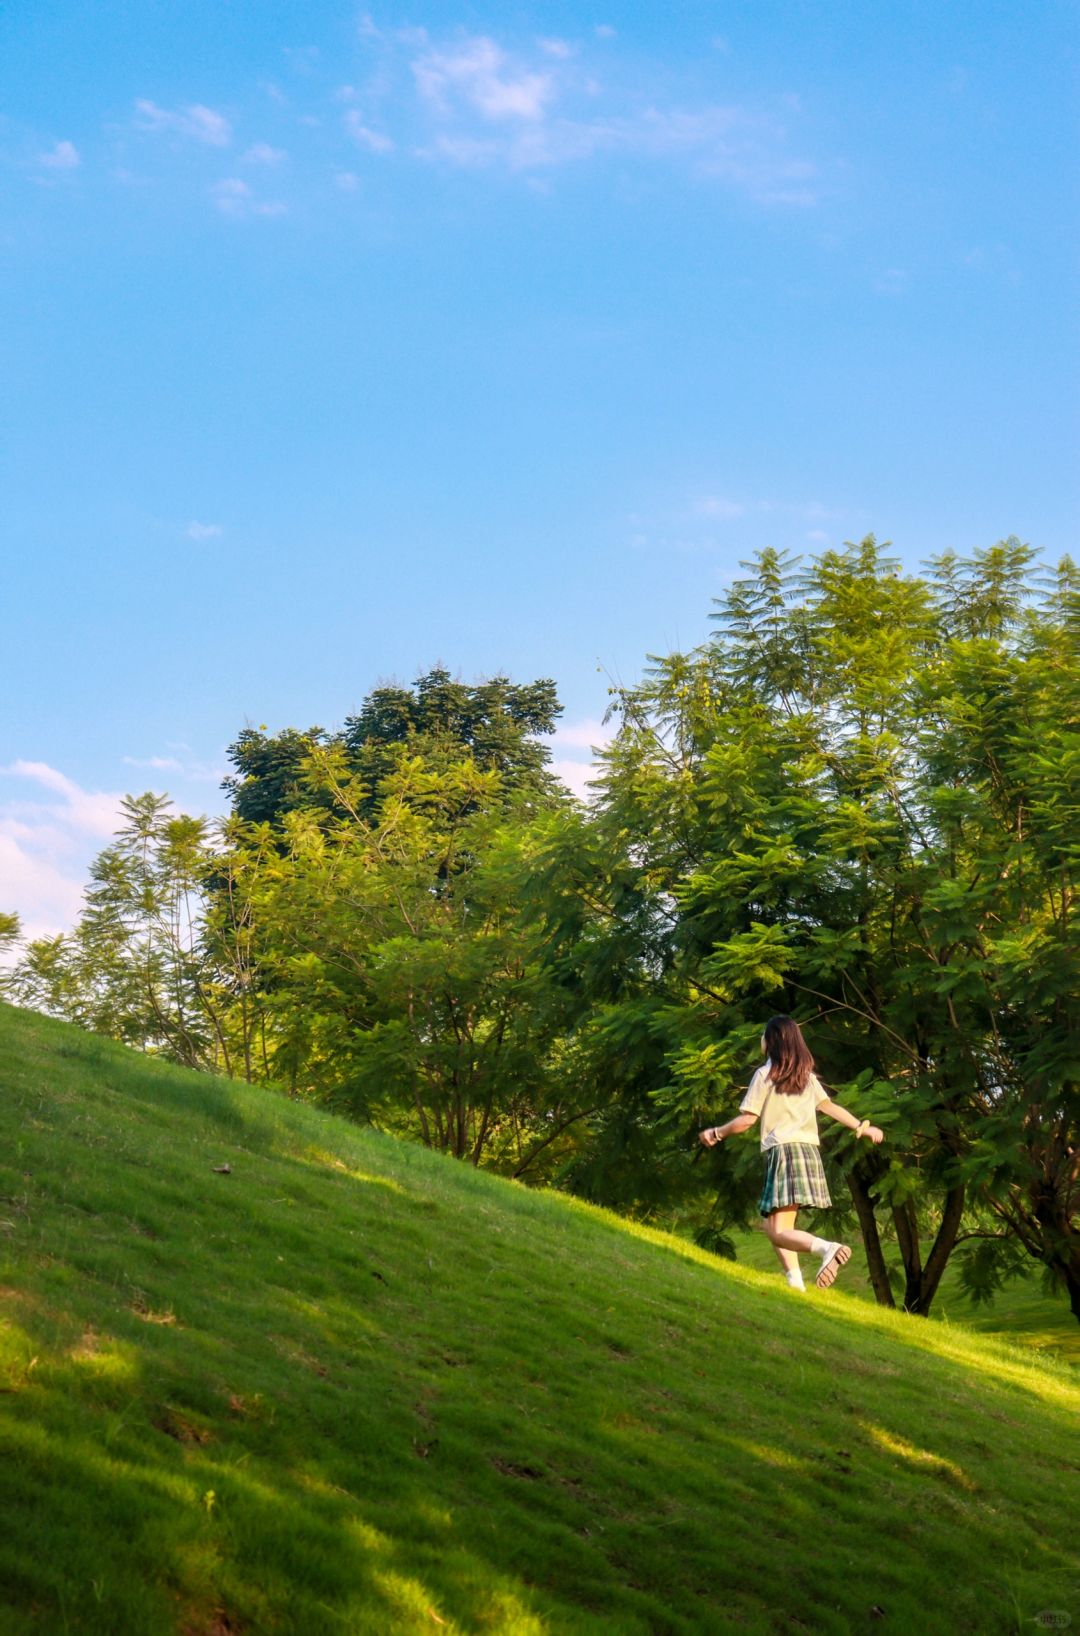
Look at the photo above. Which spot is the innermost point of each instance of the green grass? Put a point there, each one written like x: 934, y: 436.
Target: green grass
x: 353, y: 1387
x: 1022, y: 1312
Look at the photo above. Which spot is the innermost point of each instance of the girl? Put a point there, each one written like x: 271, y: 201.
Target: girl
x: 786, y: 1095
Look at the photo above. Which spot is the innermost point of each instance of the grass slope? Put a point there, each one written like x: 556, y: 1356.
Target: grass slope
x: 354, y: 1387
x: 1021, y: 1312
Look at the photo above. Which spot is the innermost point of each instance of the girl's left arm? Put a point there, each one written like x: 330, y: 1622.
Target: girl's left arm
x: 861, y: 1127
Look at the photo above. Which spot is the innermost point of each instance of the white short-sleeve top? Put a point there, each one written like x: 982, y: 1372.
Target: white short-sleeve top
x: 784, y: 1117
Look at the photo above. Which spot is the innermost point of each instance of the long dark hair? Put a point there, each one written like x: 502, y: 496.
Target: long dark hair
x: 790, y: 1061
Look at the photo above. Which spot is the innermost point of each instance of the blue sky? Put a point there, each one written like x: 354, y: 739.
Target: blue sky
x: 340, y: 343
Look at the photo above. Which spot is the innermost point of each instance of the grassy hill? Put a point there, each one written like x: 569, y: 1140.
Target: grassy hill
x: 353, y: 1387
x: 1022, y: 1312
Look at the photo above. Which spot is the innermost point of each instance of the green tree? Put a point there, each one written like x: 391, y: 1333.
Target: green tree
x: 812, y: 797
x: 499, y: 724
x: 400, y: 977
x: 132, y: 967
x: 10, y: 932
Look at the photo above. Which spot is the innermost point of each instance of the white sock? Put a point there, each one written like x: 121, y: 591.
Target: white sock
x: 822, y: 1246
x: 794, y: 1278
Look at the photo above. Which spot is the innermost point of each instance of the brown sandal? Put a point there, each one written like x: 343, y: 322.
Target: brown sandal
x: 839, y: 1258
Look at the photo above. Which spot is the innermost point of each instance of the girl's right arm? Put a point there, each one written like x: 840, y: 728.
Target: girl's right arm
x: 734, y: 1127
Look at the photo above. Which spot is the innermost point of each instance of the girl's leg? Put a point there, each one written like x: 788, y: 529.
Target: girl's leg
x: 785, y: 1238
x: 788, y: 1259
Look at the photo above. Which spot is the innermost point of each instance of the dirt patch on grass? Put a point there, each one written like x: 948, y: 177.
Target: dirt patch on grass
x: 297, y: 1354
x: 180, y: 1427
x: 510, y: 1468
x: 215, y: 1623
x: 88, y: 1344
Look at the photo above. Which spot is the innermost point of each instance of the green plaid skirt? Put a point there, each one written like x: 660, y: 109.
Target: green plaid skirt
x: 794, y: 1175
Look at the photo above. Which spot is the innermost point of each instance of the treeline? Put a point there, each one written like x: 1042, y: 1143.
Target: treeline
x: 857, y: 802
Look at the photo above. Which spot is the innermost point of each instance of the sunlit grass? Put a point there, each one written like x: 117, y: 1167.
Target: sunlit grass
x: 1021, y: 1312
x: 354, y: 1387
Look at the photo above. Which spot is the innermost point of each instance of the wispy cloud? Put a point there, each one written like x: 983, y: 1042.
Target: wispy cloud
x: 557, y: 48
x: 160, y: 764
x: 63, y: 156
x: 261, y: 153
x: 721, y: 508
x: 528, y: 106
x: 488, y: 106
x: 234, y: 197
x: 364, y: 136
x: 183, y: 763
x: 197, y: 122
x: 715, y: 505
x: 479, y: 74
x: 702, y: 524
x: 91, y: 811
x: 203, y: 531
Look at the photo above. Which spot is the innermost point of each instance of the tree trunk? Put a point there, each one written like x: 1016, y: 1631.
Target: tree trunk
x: 1072, y: 1284
x: 875, y: 1259
x: 937, y: 1260
x: 907, y: 1237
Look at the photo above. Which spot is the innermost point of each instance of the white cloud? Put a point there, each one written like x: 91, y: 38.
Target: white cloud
x: 91, y: 811
x: 374, y: 141
x: 51, y: 829
x: 719, y: 508
x: 203, y: 531
x: 347, y: 181
x: 261, y: 153
x: 198, y: 122
x: 478, y: 74
x: 576, y: 775
x: 714, y: 505
x: 63, y: 156
x: 489, y: 109
x: 234, y: 197
x: 37, y: 881
x: 46, y: 844
x: 471, y: 101
x: 572, y: 745
x: 466, y: 151
x: 189, y: 768
x: 589, y: 734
